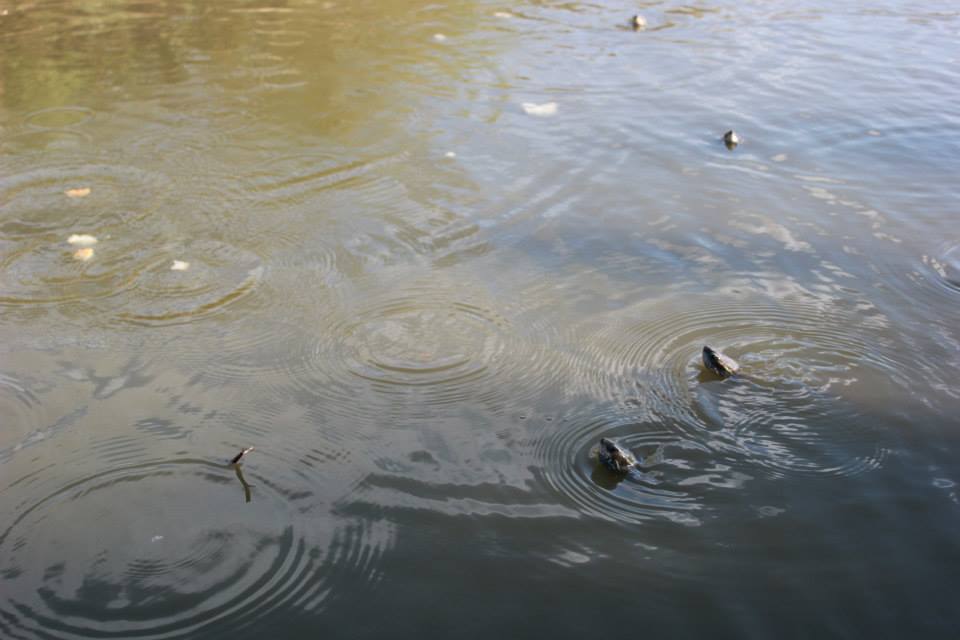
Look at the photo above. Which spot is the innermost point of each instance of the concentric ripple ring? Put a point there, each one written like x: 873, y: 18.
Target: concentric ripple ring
x: 167, y: 549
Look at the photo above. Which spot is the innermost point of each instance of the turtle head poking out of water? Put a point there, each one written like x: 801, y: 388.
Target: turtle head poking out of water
x: 722, y: 365
x: 731, y: 139
x: 615, y: 457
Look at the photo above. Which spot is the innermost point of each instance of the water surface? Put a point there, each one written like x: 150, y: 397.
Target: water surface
x: 424, y: 304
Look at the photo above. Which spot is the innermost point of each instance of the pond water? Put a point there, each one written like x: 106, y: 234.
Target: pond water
x: 422, y: 257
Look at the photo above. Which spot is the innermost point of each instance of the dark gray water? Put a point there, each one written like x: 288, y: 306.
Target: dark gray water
x: 333, y: 231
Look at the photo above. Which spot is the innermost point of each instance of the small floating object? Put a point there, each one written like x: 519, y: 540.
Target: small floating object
x: 81, y: 192
x: 179, y: 265
x: 439, y: 37
x: 237, y: 458
x: 450, y: 154
x: 82, y: 240
x: 83, y: 254
x: 731, y: 139
x: 542, y: 110
x: 502, y: 14
x: 615, y: 457
x: 638, y: 22
x: 722, y: 365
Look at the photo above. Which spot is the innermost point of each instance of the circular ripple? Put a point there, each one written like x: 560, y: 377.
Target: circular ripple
x: 264, y: 345
x: 424, y: 344
x: 44, y: 270
x: 216, y: 275
x: 35, y: 201
x: 170, y: 549
x: 795, y: 407
x: 55, y: 117
x: 676, y: 475
x: 439, y: 345
x: 46, y: 140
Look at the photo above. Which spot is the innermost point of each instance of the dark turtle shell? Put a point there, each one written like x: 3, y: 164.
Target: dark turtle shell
x: 615, y: 457
x: 722, y: 365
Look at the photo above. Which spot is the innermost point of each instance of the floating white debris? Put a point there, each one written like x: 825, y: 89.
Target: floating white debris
x: 80, y: 192
x: 82, y: 240
x: 542, y: 110
x: 439, y: 37
x: 179, y: 265
x: 450, y: 154
x: 83, y: 254
x: 502, y: 14
x: 156, y: 538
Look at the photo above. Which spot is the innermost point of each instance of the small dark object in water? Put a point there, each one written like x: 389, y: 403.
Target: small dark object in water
x: 731, y: 139
x: 722, y: 365
x: 240, y: 455
x: 638, y: 22
x: 247, y: 494
x: 615, y: 457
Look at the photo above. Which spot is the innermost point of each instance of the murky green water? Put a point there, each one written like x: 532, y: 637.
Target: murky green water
x: 333, y: 231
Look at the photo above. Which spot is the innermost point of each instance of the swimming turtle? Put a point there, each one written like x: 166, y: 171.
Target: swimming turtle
x: 722, y: 365
x: 731, y: 139
x: 615, y: 457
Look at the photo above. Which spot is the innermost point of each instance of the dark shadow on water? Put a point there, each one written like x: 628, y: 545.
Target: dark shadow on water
x: 706, y: 376
x: 607, y: 479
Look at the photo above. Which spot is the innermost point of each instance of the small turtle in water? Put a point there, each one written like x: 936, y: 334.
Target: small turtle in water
x: 731, y: 139
x: 615, y: 457
x: 638, y: 22
x: 722, y: 365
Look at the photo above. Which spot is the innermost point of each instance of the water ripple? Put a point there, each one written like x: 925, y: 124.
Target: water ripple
x: 802, y: 404
x: 433, y: 343
x: 793, y: 431
x: 20, y: 404
x: 57, y: 117
x: 137, y: 562
x: 946, y: 268
x: 34, y: 201
x: 676, y: 475
x: 294, y: 179
x: 217, y: 274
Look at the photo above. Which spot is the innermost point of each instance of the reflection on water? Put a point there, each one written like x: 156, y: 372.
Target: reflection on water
x: 247, y: 489
x: 423, y: 257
